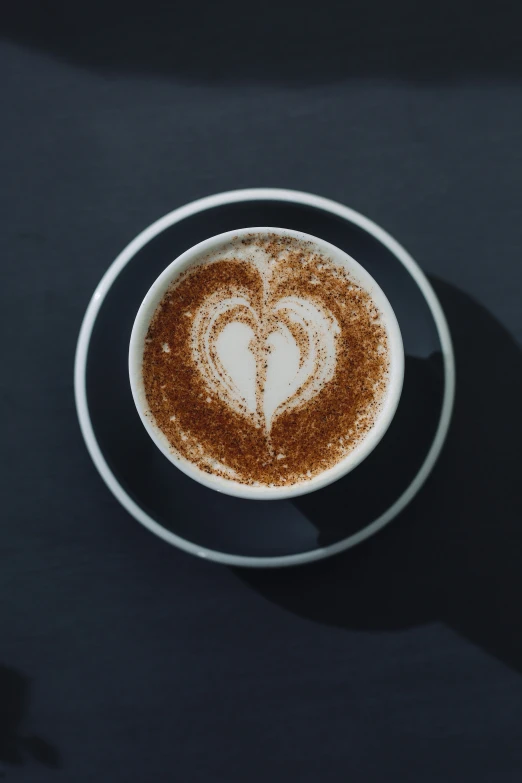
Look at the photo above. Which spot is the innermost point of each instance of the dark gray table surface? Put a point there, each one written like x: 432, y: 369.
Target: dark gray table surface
x: 122, y: 659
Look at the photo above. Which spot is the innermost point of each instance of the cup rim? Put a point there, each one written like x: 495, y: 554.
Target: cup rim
x: 230, y: 486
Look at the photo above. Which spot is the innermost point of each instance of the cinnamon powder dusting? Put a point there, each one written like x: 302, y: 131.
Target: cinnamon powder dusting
x: 269, y: 285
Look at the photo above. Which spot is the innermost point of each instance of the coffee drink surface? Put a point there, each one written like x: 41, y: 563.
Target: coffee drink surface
x: 265, y: 363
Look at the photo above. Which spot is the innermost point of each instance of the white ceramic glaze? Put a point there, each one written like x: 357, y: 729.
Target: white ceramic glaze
x: 218, y: 200
x: 212, y: 247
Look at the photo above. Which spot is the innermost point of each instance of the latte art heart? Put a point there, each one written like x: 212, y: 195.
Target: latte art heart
x: 265, y: 362
x: 262, y: 364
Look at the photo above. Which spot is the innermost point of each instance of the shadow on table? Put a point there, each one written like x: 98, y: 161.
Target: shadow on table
x: 285, y: 41
x: 455, y: 554
x: 15, y: 745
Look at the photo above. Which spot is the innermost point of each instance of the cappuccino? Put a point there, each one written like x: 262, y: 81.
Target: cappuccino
x: 265, y: 362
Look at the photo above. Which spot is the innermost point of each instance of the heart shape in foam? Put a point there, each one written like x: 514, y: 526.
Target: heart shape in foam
x: 262, y: 364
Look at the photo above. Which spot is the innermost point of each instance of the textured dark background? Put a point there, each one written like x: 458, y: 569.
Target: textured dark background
x: 122, y: 659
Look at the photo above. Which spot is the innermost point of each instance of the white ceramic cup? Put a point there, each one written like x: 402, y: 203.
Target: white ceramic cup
x: 396, y: 367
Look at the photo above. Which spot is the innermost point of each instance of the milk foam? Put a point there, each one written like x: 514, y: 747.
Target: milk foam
x: 266, y: 361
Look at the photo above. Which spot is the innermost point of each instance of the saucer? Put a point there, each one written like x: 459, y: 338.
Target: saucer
x: 253, y: 533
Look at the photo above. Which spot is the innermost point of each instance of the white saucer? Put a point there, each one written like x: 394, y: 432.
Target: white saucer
x: 248, y: 533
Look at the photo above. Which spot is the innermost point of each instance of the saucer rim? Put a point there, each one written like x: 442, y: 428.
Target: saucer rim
x: 201, y: 205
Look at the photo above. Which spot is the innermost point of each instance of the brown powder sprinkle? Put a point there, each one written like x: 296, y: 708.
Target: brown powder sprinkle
x: 196, y: 405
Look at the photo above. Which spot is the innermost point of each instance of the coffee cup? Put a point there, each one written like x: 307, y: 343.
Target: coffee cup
x: 240, y: 356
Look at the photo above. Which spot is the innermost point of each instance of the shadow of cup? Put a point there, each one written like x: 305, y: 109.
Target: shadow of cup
x: 454, y: 555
